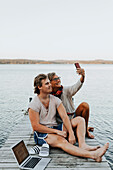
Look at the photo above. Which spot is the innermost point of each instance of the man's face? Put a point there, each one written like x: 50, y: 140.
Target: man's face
x: 55, y: 82
x: 46, y: 86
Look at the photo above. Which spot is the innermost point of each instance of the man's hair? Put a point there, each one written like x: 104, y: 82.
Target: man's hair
x: 38, y: 82
x: 51, y: 75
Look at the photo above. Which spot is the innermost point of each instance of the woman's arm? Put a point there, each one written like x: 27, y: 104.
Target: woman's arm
x: 67, y: 123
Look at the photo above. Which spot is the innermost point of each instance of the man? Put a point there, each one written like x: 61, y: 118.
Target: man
x: 42, y: 114
x: 66, y: 93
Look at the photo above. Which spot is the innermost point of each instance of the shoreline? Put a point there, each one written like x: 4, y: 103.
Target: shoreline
x: 27, y: 61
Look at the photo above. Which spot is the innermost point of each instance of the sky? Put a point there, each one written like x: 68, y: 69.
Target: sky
x: 56, y: 29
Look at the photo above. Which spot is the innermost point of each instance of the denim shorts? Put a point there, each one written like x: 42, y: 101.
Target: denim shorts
x: 40, y: 137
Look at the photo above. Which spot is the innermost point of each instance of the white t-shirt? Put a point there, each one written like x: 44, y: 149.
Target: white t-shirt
x: 47, y: 116
x: 67, y: 94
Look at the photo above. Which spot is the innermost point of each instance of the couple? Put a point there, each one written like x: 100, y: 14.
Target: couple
x: 42, y: 114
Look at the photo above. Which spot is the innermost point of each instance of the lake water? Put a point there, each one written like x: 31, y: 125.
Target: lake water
x: 16, y: 86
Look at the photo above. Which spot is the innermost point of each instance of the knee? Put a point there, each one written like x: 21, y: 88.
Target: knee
x: 61, y: 142
x: 80, y: 120
x: 56, y: 141
x: 85, y: 105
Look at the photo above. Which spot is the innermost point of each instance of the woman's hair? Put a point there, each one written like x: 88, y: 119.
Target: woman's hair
x: 51, y: 75
x: 38, y: 82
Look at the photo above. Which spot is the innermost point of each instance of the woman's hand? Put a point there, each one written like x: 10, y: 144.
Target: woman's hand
x: 81, y: 71
x: 72, y: 139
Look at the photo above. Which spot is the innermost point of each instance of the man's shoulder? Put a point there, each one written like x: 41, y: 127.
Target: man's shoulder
x: 54, y: 97
x: 35, y: 99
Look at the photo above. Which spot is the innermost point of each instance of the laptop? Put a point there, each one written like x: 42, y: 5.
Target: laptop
x: 26, y: 161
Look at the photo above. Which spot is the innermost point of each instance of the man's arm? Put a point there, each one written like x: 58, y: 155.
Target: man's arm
x: 67, y: 123
x: 35, y: 122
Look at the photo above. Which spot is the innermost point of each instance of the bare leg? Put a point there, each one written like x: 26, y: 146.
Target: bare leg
x: 57, y: 141
x: 79, y: 123
x: 83, y: 111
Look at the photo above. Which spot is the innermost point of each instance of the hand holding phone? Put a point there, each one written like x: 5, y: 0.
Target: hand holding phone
x: 80, y: 71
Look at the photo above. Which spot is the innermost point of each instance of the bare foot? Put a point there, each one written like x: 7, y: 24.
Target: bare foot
x: 89, y: 135
x: 100, y: 152
x: 91, y: 129
x: 90, y: 148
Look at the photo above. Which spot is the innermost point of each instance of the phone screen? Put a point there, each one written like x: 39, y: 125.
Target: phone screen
x: 77, y: 65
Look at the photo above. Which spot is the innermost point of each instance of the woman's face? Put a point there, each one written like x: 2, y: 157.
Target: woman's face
x: 56, y: 82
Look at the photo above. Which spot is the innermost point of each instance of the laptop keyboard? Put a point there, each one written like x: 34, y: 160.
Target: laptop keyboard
x: 32, y: 163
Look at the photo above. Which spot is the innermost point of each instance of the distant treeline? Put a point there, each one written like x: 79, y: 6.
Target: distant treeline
x: 26, y: 61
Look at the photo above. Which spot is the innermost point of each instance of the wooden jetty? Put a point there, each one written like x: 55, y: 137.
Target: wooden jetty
x: 59, y: 159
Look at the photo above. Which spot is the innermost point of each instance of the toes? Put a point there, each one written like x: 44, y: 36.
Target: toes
x: 107, y: 145
x: 99, y: 160
x: 89, y: 135
x: 91, y: 129
x: 98, y: 147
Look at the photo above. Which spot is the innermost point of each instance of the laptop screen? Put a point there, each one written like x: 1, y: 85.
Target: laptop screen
x: 20, y: 151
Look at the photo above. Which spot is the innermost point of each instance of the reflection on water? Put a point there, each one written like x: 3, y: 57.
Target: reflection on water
x: 17, y: 86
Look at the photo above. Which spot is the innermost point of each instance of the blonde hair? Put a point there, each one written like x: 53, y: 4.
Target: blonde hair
x: 51, y: 75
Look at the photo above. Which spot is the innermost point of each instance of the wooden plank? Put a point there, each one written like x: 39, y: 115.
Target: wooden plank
x: 60, y: 159
x: 77, y: 165
x: 76, y: 168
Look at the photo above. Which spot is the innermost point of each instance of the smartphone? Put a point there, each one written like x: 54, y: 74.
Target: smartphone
x: 77, y: 65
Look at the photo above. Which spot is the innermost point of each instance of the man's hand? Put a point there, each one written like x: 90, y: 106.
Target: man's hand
x: 62, y: 133
x: 72, y: 139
